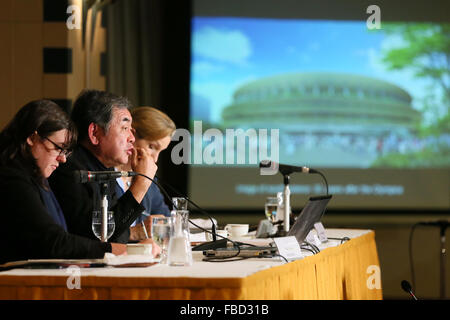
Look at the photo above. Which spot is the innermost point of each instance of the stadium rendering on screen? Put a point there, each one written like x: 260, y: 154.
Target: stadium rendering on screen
x: 367, y: 107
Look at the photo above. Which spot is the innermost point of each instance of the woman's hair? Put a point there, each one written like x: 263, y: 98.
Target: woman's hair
x: 95, y: 106
x: 151, y: 124
x: 41, y: 116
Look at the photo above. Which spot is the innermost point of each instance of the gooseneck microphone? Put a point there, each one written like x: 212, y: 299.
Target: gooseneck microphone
x: 284, y: 169
x: 269, y: 167
x: 83, y: 176
x: 406, y: 286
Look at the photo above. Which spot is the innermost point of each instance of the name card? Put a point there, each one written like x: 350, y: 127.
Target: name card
x: 321, y: 232
x: 289, y: 248
x: 313, y: 238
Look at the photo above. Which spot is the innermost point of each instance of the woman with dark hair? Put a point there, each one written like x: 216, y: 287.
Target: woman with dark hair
x: 32, y: 145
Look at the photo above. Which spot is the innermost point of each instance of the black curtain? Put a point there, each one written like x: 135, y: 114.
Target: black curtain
x: 148, y: 58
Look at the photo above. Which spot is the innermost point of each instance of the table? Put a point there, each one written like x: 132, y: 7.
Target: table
x: 340, y: 271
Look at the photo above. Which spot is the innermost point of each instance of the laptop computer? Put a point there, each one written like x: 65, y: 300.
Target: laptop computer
x: 312, y: 213
x: 244, y: 251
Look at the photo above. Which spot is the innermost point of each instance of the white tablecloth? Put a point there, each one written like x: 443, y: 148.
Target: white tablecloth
x: 199, y: 269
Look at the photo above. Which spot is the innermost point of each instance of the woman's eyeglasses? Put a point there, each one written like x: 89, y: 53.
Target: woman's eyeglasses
x: 62, y: 151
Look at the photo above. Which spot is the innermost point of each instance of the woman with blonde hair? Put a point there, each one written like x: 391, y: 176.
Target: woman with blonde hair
x: 153, y: 130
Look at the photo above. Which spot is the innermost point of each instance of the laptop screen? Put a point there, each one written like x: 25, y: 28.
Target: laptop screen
x: 311, y: 213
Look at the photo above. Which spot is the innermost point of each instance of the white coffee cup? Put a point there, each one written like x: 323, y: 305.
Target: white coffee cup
x: 237, y: 230
x: 139, y: 248
x: 223, y: 233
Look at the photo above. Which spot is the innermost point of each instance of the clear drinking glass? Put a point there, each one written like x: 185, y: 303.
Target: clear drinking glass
x: 179, y: 203
x: 271, y: 208
x: 97, y: 224
x: 161, y: 227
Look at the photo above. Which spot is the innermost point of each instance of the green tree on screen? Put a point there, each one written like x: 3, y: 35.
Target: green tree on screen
x: 424, y: 49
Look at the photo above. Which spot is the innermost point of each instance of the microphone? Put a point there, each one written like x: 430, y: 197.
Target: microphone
x: 268, y: 167
x: 406, y: 286
x: 83, y: 176
x: 222, y: 243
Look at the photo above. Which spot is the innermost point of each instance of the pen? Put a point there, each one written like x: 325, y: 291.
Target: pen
x: 145, y: 230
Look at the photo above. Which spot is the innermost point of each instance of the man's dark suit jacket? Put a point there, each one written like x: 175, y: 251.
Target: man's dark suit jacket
x: 78, y: 200
x: 28, y: 230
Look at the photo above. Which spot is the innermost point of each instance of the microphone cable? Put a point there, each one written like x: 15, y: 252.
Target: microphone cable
x: 235, y: 244
x: 344, y: 239
x: 308, y: 249
x: 411, y: 262
x: 324, y: 179
x: 186, y: 198
x: 314, y: 248
x: 276, y: 255
x: 410, y: 245
x: 213, y: 225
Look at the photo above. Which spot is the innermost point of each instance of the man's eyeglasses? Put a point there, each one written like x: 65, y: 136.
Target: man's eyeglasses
x: 62, y: 151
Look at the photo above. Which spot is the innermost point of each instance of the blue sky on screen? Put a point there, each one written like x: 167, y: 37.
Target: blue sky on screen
x: 230, y: 52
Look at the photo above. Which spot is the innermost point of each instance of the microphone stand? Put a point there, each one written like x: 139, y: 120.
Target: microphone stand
x: 104, y: 208
x: 287, y: 203
x: 443, y: 227
x: 222, y: 243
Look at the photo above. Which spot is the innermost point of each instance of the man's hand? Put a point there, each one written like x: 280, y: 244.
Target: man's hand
x: 148, y: 223
x: 137, y: 232
x: 156, y: 250
x: 118, y: 249
x: 143, y: 163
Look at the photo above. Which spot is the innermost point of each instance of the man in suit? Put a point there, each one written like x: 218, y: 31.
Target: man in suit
x: 105, y: 141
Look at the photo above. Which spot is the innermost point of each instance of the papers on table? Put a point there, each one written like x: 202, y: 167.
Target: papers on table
x: 129, y: 260
x: 108, y: 260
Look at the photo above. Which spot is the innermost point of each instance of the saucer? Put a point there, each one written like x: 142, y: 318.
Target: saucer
x: 239, y: 238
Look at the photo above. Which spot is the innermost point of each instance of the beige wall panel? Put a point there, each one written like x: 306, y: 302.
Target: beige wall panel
x: 55, y: 34
x: 28, y: 63
x: 76, y: 2
x: 100, y: 35
x: 28, y: 10
x: 6, y: 74
x: 77, y: 79
x: 6, y: 10
x: 55, y: 86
